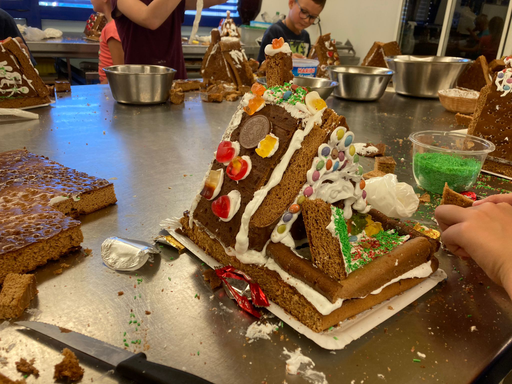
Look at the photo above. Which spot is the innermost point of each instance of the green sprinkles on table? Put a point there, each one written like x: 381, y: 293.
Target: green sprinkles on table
x: 433, y: 169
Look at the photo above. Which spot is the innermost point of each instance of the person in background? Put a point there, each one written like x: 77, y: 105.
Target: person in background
x: 489, y: 44
x: 482, y: 232
x: 8, y: 28
x: 481, y: 29
x: 301, y: 15
x: 111, y: 50
x: 150, y: 30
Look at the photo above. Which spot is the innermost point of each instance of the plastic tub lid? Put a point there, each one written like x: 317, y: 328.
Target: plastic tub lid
x: 305, y: 63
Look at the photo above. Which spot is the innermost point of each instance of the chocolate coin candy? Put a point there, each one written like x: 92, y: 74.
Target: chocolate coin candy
x: 253, y: 131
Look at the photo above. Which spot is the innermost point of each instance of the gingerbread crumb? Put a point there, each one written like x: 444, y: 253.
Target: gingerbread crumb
x: 69, y: 368
x: 148, y: 312
x: 27, y: 367
x: 120, y: 293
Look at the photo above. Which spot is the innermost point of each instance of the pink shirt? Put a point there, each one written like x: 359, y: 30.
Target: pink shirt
x: 108, y: 32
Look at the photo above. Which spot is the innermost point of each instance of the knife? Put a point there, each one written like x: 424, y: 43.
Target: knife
x: 132, y: 366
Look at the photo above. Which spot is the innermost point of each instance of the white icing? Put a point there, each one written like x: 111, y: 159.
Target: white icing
x: 259, y: 331
x: 229, y: 39
x: 508, y: 61
x: 238, y: 57
x: 421, y: 271
x: 58, y: 199
x: 460, y: 92
x: 504, y: 83
x: 363, y: 150
x: 197, y: 18
x: 249, y: 166
x: 235, y: 199
x: 285, y: 48
x: 309, y: 99
x: 294, y: 363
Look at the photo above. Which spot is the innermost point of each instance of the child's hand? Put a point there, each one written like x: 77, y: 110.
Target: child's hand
x: 483, y: 233
x: 507, y: 198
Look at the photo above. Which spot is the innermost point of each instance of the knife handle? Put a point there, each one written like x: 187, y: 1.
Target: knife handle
x: 137, y: 368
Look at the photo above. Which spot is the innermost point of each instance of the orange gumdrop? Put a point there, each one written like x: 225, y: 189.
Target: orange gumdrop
x: 277, y: 43
x: 254, y: 104
x: 258, y: 89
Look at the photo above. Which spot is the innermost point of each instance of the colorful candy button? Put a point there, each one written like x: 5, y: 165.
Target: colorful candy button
x: 348, y: 139
x: 362, y: 184
x: 281, y: 229
x: 328, y: 164
x: 325, y: 151
x: 301, y: 199
x: 294, y: 208
x: 336, y: 166
x: 308, y: 191
x: 320, y: 165
x: 334, y: 153
x: 364, y: 194
x: 352, y: 150
x: 287, y: 95
x: 341, y: 156
x: 287, y: 217
x: 316, y: 176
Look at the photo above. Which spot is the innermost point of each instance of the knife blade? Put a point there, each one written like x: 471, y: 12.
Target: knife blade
x: 128, y: 364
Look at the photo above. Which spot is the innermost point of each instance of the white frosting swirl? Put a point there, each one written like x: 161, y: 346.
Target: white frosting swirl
x: 270, y: 51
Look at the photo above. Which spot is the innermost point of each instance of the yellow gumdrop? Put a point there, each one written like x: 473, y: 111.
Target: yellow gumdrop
x: 352, y: 150
x: 266, y: 146
x: 372, y: 228
x: 318, y: 104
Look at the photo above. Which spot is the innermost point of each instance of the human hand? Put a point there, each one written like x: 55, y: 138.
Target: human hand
x: 483, y: 233
x: 298, y: 56
x: 505, y: 198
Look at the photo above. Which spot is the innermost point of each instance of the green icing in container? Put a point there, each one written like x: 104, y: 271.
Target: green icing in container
x: 433, y: 169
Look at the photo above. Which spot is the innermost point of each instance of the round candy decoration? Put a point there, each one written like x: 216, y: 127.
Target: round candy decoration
x: 221, y: 207
x: 314, y: 102
x: 253, y: 131
x: 469, y: 194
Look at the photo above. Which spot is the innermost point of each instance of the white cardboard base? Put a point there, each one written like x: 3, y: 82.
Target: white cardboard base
x: 348, y: 330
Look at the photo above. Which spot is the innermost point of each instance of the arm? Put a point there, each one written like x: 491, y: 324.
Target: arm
x: 149, y: 16
x: 116, y: 51
x: 191, y: 4
x: 483, y: 233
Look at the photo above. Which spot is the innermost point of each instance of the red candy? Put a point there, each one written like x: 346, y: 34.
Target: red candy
x: 237, y: 169
x: 294, y: 87
x: 329, y: 53
x: 470, y: 195
x: 258, y: 89
x: 225, y: 152
x: 221, y: 206
x: 277, y: 43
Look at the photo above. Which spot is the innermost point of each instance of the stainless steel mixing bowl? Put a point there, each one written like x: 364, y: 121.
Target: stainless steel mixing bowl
x: 359, y: 83
x: 324, y: 87
x: 423, y: 76
x: 140, y: 84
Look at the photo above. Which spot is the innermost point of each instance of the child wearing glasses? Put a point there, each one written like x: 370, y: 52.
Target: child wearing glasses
x: 302, y: 14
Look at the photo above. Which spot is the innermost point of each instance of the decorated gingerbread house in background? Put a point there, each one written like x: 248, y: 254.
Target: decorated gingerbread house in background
x: 492, y: 120
x: 287, y: 169
x: 95, y: 25
x: 326, y: 53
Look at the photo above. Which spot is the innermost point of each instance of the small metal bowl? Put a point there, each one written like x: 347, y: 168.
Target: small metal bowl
x: 359, y: 83
x: 140, y: 84
x: 424, y: 76
x: 324, y: 87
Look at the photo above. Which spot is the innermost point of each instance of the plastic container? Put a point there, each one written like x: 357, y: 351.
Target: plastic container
x: 305, y: 67
x: 447, y: 157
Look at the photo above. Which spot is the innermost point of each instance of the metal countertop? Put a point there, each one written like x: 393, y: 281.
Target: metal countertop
x: 156, y: 157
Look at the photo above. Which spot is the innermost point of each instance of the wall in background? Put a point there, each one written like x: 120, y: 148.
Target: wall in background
x: 362, y: 22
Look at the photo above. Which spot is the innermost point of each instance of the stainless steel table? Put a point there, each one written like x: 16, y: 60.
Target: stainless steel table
x: 156, y: 156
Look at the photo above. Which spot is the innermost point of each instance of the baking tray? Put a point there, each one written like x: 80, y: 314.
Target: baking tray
x: 349, y: 330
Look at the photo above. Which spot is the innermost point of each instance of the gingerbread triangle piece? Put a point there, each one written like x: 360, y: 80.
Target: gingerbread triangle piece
x: 476, y: 76
x: 378, y: 52
x: 214, y: 66
x: 21, y: 85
